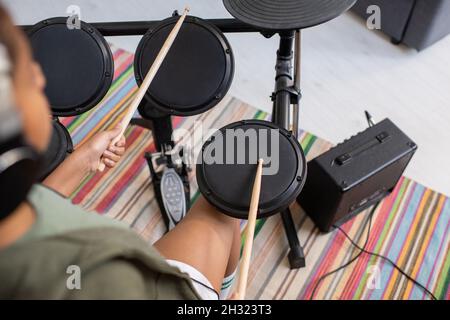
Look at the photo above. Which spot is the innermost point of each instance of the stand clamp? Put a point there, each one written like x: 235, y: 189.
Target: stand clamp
x: 294, y: 94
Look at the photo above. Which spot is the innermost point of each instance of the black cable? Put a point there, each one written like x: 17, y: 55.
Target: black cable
x: 369, y: 118
x: 369, y: 222
x: 207, y: 287
x: 363, y: 250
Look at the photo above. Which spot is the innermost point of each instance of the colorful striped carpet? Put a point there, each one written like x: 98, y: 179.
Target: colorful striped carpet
x: 411, y: 226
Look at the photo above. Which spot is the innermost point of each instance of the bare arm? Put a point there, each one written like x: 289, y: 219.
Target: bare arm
x: 67, y: 176
x: 84, y: 160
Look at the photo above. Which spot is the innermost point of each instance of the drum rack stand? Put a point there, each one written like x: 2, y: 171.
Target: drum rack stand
x: 286, y: 93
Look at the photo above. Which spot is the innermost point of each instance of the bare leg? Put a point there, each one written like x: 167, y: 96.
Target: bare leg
x: 235, y: 251
x: 204, y: 239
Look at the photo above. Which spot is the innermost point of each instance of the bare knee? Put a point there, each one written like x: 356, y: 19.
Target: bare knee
x: 202, y: 210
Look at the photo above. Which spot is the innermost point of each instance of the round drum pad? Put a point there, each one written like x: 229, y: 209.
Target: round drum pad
x: 77, y: 64
x: 227, y: 165
x: 196, y: 73
x: 59, y: 147
x: 286, y: 14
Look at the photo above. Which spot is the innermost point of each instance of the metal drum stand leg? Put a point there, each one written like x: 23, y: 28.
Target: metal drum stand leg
x: 287, y: 92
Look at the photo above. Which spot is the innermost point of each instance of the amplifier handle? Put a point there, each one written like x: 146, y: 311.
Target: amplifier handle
x: 348, y: 156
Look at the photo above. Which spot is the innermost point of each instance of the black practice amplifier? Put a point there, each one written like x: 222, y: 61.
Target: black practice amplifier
x: 355, y: 174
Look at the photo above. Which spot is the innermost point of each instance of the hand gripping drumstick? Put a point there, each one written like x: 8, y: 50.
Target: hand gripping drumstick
x: 148, y: 80
x: 243, y: 275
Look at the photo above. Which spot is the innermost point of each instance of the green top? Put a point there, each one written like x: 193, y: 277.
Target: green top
x: 114, y: 262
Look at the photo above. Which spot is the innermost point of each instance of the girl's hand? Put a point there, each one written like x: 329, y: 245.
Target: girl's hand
x: 100, y: 148
x: 69, y: 174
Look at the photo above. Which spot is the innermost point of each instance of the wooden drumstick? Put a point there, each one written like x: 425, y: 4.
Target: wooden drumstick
x: 247, y: 252
x: 148, y: 80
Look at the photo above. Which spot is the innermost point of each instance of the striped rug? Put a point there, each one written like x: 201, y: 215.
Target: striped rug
x: 411, y: 226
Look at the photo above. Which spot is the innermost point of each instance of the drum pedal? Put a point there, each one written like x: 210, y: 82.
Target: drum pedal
x: 173, y: 197
x: 171, y: 185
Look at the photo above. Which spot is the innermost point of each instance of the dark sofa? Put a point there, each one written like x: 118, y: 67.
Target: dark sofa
x: 416, y: 23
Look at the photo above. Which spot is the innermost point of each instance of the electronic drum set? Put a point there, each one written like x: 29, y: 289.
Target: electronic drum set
x: 194, y: 77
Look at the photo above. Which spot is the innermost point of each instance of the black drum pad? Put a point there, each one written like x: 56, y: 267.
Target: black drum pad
x: 77, y: 64
x: 228, y: 184
x: 59, y: 147
x: 286, y: 14
x: 196, y: 73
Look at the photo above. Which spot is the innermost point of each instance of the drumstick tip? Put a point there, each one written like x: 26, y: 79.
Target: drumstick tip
x: 260, y: 161
x: 187, y: 9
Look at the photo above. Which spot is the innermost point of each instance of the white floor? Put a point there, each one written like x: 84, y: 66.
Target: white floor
x: 346, y: 69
